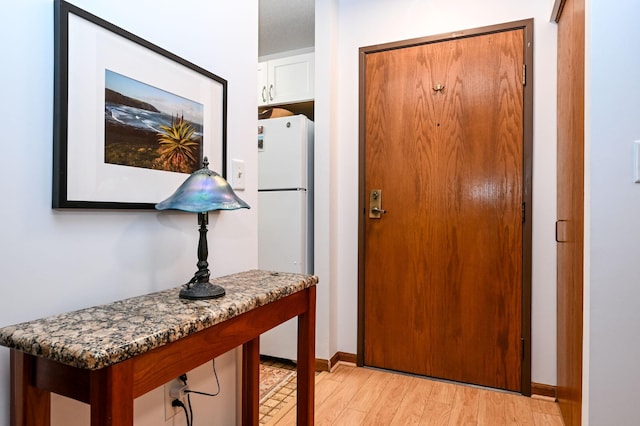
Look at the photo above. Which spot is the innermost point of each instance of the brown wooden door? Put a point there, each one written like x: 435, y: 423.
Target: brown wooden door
x: 443, y: 267
x: 570, y: 234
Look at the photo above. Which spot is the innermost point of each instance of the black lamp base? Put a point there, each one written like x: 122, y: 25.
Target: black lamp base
x: 200, y: 291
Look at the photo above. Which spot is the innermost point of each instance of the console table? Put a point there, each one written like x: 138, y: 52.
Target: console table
x: 108, y: 355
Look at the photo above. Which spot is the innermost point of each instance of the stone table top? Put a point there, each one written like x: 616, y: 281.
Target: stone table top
x: 100, y: 336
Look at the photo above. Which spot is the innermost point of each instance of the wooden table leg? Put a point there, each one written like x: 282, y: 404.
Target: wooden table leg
x: 30, y: 406
x: 306, y: 362
x: 112, y: 395
x: 251, y: 382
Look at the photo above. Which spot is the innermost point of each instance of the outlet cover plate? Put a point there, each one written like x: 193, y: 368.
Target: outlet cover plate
x: 169, y: 410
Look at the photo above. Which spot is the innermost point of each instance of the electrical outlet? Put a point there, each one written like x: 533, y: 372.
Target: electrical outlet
x: 173, y: 390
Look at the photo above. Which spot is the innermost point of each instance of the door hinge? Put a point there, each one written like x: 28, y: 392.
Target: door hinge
x: 522, y: 347
x: 524, y: 74
x: 524, y: 212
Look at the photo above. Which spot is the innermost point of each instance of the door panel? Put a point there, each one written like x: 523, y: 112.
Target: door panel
x: 570, y: 208
x: 282, y: 238
x: 443, y: 267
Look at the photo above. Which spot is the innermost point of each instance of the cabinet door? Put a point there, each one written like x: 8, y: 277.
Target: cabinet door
x: 291, y: 79
x: 263, y: 84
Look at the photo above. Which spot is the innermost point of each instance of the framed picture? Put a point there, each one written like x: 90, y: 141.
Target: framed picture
x: 131, y: 120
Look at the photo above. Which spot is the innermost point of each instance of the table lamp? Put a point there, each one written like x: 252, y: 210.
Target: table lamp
x: 202, y: 192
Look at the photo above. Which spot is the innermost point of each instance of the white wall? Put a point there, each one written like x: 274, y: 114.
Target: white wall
x: 57, y: 261
x: 613, y: 316
x: 325, y: 111
x: 369, y: 22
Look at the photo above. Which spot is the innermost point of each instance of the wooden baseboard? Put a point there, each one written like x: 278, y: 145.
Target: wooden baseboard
x: 322, y: 364
x: 541, y: 389
x: 327, y: 365
x: 344, y: 357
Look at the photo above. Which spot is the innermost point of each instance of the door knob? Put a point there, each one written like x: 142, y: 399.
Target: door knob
x: 375, y: 204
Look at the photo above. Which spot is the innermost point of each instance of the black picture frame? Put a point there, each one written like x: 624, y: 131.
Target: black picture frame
x: 85, y: 46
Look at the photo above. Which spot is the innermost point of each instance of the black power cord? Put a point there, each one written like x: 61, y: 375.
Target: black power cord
x: 178, y: 403
x: 190, y: 415
x: 215, y: 374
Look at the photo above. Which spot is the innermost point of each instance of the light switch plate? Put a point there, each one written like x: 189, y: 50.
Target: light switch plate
x: 636, y: 161
x: 237, y: 175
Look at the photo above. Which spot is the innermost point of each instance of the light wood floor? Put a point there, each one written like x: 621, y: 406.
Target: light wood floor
x: 360, y: 396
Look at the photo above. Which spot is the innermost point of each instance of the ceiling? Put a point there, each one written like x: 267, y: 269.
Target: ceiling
x: 285, y: 25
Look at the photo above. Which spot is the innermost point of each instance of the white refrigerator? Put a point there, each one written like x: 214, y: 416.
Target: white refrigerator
x: 285, y: 212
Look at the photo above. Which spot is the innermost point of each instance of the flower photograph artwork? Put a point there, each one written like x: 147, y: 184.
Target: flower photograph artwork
x: 150, y: 128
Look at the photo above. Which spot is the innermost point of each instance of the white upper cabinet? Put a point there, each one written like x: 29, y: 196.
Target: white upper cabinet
x: 286, y: 80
